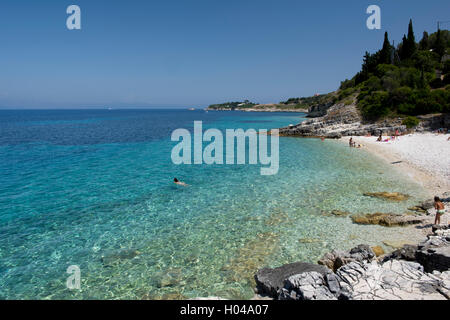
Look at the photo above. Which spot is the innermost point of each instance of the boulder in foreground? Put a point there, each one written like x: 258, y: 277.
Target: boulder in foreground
x: 269, y: 281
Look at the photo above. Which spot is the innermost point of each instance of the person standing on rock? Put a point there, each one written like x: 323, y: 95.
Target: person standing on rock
x: 440, y: 210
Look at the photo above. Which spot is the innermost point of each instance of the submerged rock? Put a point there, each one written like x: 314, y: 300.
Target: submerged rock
x: 418, y: 209
x: 308, y: 240
x: 251, y: 257
x: 392, y: 196
x: 113, y: 258
x: 397, y: 244
x: 340, y: 213
x: 387, y: 219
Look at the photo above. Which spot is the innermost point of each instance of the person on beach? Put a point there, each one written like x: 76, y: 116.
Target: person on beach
x: 396, y: 134
x: 350, y: 142
x: 380, y: 138
x: 180, y: 183
x: 440, y: 209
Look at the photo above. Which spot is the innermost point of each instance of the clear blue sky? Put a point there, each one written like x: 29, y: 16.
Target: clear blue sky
x: 190, y: 52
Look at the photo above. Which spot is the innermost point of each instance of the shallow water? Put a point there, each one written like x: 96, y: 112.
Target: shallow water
x: 93, y: 188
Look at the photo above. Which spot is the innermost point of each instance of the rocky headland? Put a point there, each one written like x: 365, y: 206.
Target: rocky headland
x: 337, y: 120
x: 262, y: 108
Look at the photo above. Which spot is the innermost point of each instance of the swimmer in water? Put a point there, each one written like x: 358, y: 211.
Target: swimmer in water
x: 180, y: 183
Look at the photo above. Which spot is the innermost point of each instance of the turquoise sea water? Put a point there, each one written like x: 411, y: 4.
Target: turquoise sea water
x: 94, y: 189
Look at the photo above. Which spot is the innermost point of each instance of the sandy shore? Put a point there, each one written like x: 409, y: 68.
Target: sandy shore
x: 425, y: 157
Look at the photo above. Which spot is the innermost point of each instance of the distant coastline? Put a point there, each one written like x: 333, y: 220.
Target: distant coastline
x: 259, y: 110
x: 255, y: 107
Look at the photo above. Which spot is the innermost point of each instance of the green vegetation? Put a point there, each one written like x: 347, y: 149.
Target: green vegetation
x: 307, y: 102
x: 405, y: 80
x: 408, y: 80
x: 233, y: 105
x: 410, y: 122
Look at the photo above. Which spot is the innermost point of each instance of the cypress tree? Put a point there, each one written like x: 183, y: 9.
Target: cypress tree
x: 425, y: 42
x: 403, y: 48
x: 411, y: 41
x: 385, y: 53
x: 439, y: 47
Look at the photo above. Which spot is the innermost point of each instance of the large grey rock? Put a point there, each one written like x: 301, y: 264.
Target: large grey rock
x: 306, y: 286
x: 392, y: 280
x: 362, y: 252
x: 269, y: 281
x: 407, y: 252
x: 436, y: 227
x: 336, y: 259
x: 434, y: 254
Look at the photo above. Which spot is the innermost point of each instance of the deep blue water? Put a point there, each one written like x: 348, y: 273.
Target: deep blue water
x: 94, y: 188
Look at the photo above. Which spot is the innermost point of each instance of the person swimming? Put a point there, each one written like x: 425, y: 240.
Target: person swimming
x: 440, y: 210
x: 351, y: 143
x: 180, y: 183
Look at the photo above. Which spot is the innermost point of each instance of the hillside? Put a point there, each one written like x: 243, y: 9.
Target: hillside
x: 398, y: 88
x: 402, y: 82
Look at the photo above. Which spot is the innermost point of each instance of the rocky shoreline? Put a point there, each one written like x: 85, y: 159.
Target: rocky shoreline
x: 340, y: 120
x: 411, y: 272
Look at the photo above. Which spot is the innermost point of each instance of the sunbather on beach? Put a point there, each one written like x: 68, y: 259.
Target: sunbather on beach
x: 180, y: 183
x: 440, y: 210
x: 380, y: 138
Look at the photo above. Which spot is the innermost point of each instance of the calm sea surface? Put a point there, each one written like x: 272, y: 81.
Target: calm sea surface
x: 94, y: 188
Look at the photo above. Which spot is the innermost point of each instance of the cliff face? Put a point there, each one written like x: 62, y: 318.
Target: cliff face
x: 434, y: 122
x: 319, y: 110
x: 342, y: 120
